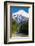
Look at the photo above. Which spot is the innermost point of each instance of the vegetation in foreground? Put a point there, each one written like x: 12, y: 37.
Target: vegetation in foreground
x: 19, y: 28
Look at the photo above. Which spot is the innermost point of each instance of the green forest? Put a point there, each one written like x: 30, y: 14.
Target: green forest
x: 15, y: 27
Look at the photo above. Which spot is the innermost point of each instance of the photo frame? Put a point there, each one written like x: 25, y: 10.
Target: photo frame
x: 18, y: 22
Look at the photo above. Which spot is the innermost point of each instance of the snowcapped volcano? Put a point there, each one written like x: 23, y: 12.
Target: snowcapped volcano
x: 20, y: 16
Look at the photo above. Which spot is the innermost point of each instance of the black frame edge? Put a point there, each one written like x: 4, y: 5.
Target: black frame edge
x: 19, y: 2
x: 33, y: 23
x: 5, y: 24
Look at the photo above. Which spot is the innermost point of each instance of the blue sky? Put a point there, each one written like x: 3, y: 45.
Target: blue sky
x: 16, y: 9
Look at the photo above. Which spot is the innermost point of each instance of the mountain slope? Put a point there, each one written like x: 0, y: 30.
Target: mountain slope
x: 20, y: 16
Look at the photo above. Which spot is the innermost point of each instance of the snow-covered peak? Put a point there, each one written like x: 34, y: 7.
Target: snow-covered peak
x: 20, y: 16
x: 21, y: 12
